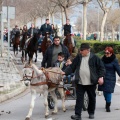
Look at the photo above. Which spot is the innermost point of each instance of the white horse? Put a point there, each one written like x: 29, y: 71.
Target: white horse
x: 37, y: 79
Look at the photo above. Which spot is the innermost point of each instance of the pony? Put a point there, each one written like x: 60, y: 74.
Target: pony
x: 32, y: 47
x: 45, y: 43
x: 16, y: 42
x: 43, y: 81
x: 69, y: 43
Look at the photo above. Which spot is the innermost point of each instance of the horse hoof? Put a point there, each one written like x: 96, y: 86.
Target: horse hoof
x: 64, y: 110
x: 53, y: 113
x: 46, y: 116
x: 27, y: 118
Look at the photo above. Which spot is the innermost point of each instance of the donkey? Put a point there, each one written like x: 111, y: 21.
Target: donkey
x: 38, y: 81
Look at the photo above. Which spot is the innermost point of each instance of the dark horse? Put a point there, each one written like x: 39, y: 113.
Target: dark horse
x: 16, y: 42
x: 68, y: 43
x: 23, y: 46
x: 45, y: 43
x: 32, y: 47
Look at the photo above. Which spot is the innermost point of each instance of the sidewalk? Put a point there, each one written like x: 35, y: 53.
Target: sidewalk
x: 9, y: 78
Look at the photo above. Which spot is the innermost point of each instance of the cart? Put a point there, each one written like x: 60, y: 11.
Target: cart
x: 70, y: 94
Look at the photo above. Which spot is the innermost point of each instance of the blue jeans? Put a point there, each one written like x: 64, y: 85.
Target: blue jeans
x: 68, y: 78
x: 107, y: 96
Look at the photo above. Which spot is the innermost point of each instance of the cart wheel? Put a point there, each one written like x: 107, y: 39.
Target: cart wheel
x: 51, y: 103
x: 86, y: 101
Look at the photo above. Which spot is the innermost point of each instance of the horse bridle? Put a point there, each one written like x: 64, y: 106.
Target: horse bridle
x: 40, y: 83
x: 27, y: 77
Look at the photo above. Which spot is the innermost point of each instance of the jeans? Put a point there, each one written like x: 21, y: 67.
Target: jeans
x: 107, y: 96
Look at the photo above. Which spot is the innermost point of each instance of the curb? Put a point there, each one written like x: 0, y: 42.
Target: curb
x: 12, y: 94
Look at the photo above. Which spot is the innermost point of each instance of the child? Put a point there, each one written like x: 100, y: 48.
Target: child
x: 68, y: 62
x: 60, y: 61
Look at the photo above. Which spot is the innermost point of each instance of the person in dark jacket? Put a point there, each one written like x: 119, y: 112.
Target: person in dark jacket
x: 89, y: 71
x: 51, y: 53
x: 32, y: 31
x: 111, y: 66
x: 45, y: 28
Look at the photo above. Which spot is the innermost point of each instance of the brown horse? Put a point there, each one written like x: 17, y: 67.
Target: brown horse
x: 45, y: 43
x: 68, y: 43
x: 16, y: 42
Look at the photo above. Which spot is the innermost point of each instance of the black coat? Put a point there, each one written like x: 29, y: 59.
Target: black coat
x: 48, y: 55
x: 110, y: 76
x: 34, y: 32
x: 96, y: 66
x: 45, y: 29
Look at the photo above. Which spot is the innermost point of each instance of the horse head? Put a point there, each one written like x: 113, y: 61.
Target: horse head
x: 47, y: 35
x: 30, y: 73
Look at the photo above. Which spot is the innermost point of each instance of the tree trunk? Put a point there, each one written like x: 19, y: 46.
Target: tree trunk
x: 49, y: 16
x: 34, y: 21
x: 53, y: 18
x: 102, y: 26
x: 113, y: 33
x: 84, y: 20
x: 41, y: 20
x: 66, y: 14
x: 62, y: 16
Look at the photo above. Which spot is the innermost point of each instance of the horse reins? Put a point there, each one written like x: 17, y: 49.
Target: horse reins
x: 48, y: 81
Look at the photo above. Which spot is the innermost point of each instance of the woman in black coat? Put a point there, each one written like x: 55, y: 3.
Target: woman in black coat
x: 111, y: 66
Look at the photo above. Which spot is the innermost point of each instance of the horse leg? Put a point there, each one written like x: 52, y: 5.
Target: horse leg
x: 61, y: 91
x: 26, y: 54
x: 36, y: 56
x: 55, y: 101
x: 46, y: 103
x: 33, y: 93
x: 14, y: 49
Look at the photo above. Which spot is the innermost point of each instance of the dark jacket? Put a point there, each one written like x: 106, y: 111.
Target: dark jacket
x: 97, y: 69
x: 67, y: 29
x: 48, y: 55
x: 110, y: 76
x: 45, y: 29
x: 34, y: 31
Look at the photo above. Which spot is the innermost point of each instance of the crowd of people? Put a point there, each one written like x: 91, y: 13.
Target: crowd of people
x: 88, y: 69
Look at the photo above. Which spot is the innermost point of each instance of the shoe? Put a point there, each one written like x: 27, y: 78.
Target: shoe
x: 76, y: 117
x: 108, y: 107
x: 91, y: 116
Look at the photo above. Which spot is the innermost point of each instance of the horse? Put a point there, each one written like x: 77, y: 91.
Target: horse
x: 68, y: 42
x: 32, y: 47
x: 43, y: 81
x: 22, y: 46
x: 16, y: 42
x: 45, y: 43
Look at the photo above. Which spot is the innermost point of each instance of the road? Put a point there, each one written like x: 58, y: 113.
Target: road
x: 17, y: 108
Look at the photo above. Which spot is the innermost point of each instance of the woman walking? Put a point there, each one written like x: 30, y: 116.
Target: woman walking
x: 111, y: 66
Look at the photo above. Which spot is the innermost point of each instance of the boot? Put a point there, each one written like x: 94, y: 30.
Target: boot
x: 108, y: 106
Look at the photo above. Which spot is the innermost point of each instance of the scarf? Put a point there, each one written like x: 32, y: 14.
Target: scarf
x: 108, y: 59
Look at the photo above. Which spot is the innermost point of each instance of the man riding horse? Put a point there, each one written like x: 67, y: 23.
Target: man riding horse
x: 68, y: 30
x: 14, y: 32
x: 44, y: 29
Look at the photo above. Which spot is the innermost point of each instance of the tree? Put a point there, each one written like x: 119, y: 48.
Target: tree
x: 114, y: 20
x: 106, y: 6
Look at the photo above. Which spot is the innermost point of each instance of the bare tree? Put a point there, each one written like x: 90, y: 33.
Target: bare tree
x: 114, y: 20
x: 105, y: 5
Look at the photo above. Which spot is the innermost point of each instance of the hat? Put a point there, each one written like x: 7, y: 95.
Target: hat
x: 84, y: 46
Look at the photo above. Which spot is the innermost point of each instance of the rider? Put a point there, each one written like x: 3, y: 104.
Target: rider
x: 44, y: 29
x: 32, y: 30
x: 68, y: 29
x: 14, y: 31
